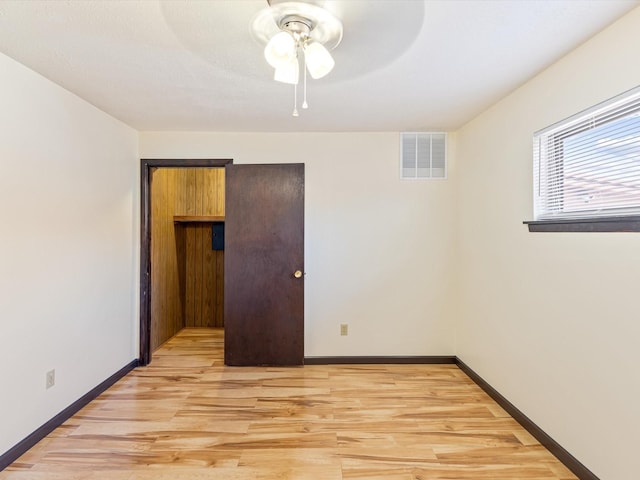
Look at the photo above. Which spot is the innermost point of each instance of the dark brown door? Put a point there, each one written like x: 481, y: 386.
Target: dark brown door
x: 264, y: 265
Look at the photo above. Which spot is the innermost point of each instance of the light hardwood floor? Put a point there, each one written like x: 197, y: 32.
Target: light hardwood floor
x: 188, y: 417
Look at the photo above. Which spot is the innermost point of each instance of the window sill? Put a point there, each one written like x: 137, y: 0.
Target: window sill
x: 605, y: 224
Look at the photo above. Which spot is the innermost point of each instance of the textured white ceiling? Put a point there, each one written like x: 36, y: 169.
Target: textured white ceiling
x: 403, y: 65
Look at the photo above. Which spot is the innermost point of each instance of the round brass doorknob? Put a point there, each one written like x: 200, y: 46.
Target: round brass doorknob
x: 297, y: 274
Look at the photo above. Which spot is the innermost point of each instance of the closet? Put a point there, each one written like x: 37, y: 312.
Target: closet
x: 187, y: 267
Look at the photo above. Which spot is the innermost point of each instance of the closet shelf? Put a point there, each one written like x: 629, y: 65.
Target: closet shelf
x: 198, y: 218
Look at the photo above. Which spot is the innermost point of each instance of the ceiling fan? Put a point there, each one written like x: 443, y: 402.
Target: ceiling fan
x: 297, y: 33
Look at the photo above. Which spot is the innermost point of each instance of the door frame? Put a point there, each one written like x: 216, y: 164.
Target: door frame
x: 146, y: 166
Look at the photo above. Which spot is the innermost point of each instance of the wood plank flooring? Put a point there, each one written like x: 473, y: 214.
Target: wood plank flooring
x: 188, y: 417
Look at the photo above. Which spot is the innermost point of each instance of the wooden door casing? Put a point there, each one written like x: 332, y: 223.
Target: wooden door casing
x: 147, y: 296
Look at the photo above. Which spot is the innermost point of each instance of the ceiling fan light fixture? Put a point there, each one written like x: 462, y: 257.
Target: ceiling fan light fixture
x: 318, y: 59
x: 280, y: 49
x: 288, y: 72
x: 295, y: 32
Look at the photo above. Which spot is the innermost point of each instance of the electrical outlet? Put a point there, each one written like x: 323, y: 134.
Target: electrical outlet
x: 344, y: 329
x: 51, y: 378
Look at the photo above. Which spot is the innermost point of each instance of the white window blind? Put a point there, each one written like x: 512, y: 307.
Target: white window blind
x: 423, y: 155
x: 589, y: 165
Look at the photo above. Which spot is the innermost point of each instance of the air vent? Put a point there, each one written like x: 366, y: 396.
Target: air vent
x: 423, y: 155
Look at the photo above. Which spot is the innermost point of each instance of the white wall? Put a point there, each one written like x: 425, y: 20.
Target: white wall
x: 378, y: 250
x: 552, y: 320
x: 68, y: 179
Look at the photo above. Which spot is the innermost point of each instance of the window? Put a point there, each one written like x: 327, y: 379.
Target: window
x: 587, y: 167
x: 423, y: 155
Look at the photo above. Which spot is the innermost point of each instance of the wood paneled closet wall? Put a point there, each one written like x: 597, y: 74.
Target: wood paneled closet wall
x: 187, y: 275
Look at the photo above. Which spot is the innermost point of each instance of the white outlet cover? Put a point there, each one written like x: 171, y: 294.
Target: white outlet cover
x: 51, y: 378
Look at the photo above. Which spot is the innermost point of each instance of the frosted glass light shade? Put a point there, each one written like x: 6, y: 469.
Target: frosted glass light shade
x: 280, y: 49
x: 319, y: 60
x: 288, y: 72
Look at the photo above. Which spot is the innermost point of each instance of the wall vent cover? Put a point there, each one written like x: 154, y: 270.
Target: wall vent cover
x: 423, y: 155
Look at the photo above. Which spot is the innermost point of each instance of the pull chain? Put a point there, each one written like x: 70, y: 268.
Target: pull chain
x: 304, y: 103
x: 295, y: 100
x: 295, y: 85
